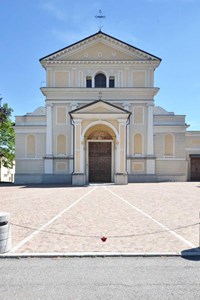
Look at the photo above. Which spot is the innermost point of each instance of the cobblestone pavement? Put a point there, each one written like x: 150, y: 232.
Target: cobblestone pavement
x: 136, y: 218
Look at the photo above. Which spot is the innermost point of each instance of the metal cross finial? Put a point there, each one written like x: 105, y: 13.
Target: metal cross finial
x: 100, y: 17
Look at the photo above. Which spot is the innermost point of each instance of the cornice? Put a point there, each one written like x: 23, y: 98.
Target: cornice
x: 100, y: 62
x: 170, y: 128
x: 53, y: 93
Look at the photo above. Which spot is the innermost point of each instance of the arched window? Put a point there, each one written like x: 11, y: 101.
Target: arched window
x: 88, y: 81
x: 61, y: 145
x: 137, y: 144
x: 31, y: 146
x: 100, y: 81
x: 169, y: 145
x: 111, y: 82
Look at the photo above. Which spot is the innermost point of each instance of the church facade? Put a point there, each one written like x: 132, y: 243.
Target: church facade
x: 100, y: 122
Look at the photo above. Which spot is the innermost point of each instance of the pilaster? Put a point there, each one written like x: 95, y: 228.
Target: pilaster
x: 73, y: 105
x: 121, y: 176
x: 150, y: 149
x: 77, y: 146
x: 48, y: 161
x: 49, y: 130
x: 126, y: 106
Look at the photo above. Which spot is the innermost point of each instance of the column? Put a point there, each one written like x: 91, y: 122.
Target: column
x: 77, y: 146
x: 73, y: 106
x: 49, y: 146
x: 121, y: 177
x: 150, y: 141
x: 78, y: 176
x: 93, y: 82
x: 126, y: 106
x: 49, y: 130
x: 107, y: 81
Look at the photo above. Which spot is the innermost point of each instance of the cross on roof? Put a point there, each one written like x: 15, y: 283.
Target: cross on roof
x: 100, y: 17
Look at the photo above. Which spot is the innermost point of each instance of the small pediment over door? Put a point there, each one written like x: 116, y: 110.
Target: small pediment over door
x: 100, y: 109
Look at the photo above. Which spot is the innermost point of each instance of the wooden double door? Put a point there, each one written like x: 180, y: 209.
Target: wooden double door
x: 100, y: 161
x: 195, y: 168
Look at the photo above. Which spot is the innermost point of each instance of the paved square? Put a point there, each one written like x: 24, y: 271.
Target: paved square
x: 136, y: 218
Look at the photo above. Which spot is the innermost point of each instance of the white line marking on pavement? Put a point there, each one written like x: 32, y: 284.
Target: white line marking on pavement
x: 178, y: 236
x: 28, y: 238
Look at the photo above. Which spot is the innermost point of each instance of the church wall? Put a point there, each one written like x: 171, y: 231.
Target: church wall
x: 62, y: 79
x: 138, y: 125
x: 30, y: 120
x: 72, y: 76
x: 169, y: 120
x: 20, y: 146
x: 172, y: 170
x: 49, y: 77
x: 30, y: 166
x: 193, y: 140
x: 138, y: 166
x: 61, y: 166
x: 178, y: 141
x: 61, y: 126
x: 138, y: 78
x: 29, y: 157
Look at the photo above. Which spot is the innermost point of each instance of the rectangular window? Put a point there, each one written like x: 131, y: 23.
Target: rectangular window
x: 88, y: 82
x: 111, y: 82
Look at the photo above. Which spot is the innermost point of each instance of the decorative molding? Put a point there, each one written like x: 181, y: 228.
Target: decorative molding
x: 102, y: 62
x: 99, y: 38
x: 99, y: 135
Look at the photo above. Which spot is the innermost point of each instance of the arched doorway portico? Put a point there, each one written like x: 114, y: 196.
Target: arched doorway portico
x: 99, y: 140
x: 100, y: 154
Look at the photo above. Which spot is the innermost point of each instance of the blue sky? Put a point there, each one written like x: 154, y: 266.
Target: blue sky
x: 169, y: 29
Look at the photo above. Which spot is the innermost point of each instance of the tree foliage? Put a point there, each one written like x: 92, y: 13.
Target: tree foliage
x: 7, y: 137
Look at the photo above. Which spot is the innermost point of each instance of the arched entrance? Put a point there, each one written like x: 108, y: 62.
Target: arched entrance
x: 100, y: 154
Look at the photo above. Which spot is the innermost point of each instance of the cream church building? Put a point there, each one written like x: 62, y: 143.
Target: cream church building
x: 100, y: 122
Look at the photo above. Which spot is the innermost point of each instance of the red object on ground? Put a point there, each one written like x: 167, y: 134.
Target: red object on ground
x: 104, y: 239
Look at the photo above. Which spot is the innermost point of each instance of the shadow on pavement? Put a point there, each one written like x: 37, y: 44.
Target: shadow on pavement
x: 40, y: 185
x: 191, y: 254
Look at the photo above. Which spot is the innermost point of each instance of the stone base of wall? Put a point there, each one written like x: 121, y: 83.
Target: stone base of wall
x: 142, y: 178
x: 43, y: 179
x: 78, y: 179
x: 172, y: 178
x: 121, y: 178
x: 157, y: 178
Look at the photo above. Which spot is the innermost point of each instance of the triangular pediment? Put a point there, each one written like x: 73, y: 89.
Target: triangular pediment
x: 99, y: 50
x: 98, y: 47
x: 99, y: 107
